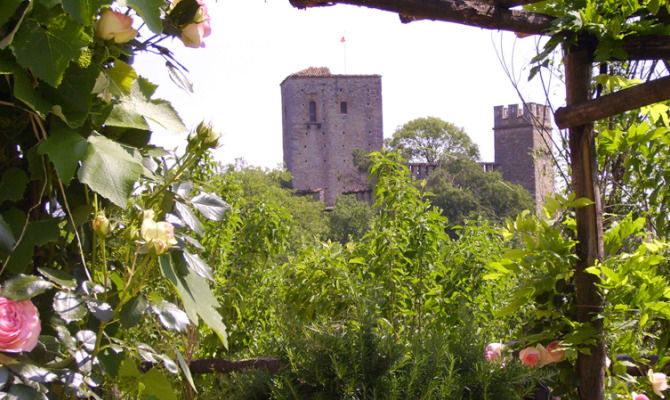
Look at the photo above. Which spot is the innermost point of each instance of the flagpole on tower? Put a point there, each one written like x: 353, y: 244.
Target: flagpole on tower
x: 344, y: 52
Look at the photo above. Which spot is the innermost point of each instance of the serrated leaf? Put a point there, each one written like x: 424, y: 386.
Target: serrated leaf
x: 198, y: 265
x: 134, y: 108
x: 7, y: 240
x: 87, y: 339
x: 84, y: 11
x: 47, y: 49
x: 132, y: 312
x: 195, y: 293
x: 24, y: 287
x: 210, y: 206
x: 171, y: 316
x: 109, y: 169
x: 69, y: 306
x: 65, y: 148
x: 58, y: 277
x: 188, y: 216
x: 149, y: 10
x: 13, y: 184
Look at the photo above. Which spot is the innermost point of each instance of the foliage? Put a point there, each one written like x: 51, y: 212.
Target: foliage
x: 431, y: 140
x: 89, y: 208
x: 463, y: 190
x: 350, y: 219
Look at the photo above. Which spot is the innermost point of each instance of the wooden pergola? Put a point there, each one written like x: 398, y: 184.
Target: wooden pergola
x: 578, y: 116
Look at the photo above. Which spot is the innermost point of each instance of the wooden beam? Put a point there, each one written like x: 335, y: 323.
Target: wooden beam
x: 514, y: 3
x: 590, y: 247
x: 606, y: 106
x: 648, y: 47
x: 466, y: 12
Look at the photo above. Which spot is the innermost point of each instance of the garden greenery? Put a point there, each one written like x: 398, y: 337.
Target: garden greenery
x: 120, y: 262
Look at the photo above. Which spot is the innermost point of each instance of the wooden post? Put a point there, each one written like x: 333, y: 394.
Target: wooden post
x: 583, y: 161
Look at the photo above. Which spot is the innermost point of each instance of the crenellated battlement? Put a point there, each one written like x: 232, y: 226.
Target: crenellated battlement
x: 515, y: 115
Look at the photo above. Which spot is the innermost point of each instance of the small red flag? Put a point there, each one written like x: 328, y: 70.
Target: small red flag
x: 342, y: 40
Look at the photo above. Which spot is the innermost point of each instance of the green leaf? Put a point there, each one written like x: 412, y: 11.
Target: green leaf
x: 47, y: 50
x: 72, y: 99
x: 580, y: 202
x: 69, y: 306
x: 195, y: 294
x: 83, y: 11
x: 171, y: 316
x: 660, y: 307
x: 198, y: 265
x: 7, y: 240
x: 25, y: 287
x: 59, y: 277
x: 132, y: 312
x: 111, y: 361
x: 24, y: 91
x: 121, y: 77
x: 65, y: 148
x: 20, y: 13
x: 110, y: 169
x: 188, y: 216
x: 185, y: 369
x: 210, y: 206
x: 37, y: 233
x: 13, y: 184
x: 156, y: 384
x: 100, y: 310
x: 87, y: 339
x: 7, y: 9
x: 135, y: 108
x: 4, y: 375
x: 128, y: 369
x: 150, y: 11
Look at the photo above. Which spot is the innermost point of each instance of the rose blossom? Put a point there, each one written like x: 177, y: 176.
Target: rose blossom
x: 192, y: 35
x: 636, y: 396
x: 493, y: 351
x: 531, y: 356
x: 554, y: 355
x: 659, y: 382
x: 117, y: 26
x: 159, y: 236
x: 19, y: 325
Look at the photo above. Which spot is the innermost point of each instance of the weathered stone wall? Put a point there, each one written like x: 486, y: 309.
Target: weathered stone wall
x: 319, y: 153
x: 522, y: 140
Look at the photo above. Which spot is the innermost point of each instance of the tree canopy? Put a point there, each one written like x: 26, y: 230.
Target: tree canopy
x: 431, y: 140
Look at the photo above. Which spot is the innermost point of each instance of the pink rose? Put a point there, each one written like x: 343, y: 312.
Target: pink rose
x: 531, y: 356
x: 493, y: 351
x: 19, y: 325
x: 192, y: 35
x: 554, y: 355
x: 659, y: 382
x: 636, y: 396
x: 117, y: 26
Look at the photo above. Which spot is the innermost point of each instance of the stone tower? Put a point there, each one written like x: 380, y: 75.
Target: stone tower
x: 522, y: 140
x: 325, y: 118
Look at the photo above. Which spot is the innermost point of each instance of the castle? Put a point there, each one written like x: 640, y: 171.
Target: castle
x: 326, y: 117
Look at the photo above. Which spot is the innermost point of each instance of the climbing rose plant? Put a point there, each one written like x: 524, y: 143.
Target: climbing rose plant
x: 99, y: 229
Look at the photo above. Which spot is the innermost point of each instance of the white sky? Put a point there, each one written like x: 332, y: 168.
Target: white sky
x: 428, y: 68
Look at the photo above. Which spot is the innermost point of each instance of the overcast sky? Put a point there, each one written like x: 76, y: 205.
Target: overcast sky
x: 428, y: 68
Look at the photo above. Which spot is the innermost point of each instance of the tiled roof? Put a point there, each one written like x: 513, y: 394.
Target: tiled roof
x: 314, y: 71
